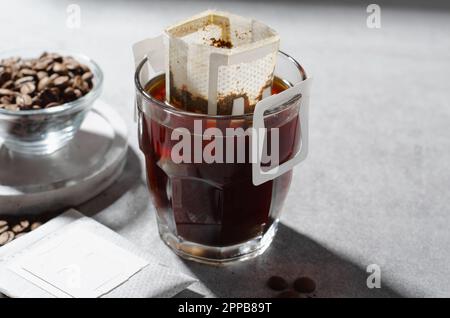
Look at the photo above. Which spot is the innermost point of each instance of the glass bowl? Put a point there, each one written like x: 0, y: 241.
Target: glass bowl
x: 43, y: 131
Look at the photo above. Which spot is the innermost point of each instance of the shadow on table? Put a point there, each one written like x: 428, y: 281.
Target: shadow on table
x: 291, y: 255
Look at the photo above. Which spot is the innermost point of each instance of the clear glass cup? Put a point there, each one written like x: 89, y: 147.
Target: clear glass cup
x: 43, y: 131
x: 212, y: 212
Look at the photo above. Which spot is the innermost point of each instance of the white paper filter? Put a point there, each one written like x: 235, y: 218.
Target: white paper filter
x: 229, y: 78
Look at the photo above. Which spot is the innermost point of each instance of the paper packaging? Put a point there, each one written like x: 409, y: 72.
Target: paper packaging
x: 218, y: 63
x: 75, y: 256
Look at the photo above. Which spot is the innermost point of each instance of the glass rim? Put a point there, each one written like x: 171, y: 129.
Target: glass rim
x: 176, y: 111
x: 90, y: 96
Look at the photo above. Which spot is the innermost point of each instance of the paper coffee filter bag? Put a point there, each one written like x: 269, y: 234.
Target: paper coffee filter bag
x: 219, y: 64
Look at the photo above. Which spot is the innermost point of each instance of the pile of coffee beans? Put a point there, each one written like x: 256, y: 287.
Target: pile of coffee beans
x: 13, y: 230
x: 302, y: 286
x: 44, y: 82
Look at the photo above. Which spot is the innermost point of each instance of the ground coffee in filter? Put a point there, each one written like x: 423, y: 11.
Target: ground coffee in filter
x: 219, y: 64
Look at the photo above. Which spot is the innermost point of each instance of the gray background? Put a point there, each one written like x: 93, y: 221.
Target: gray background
x: 375, y: 187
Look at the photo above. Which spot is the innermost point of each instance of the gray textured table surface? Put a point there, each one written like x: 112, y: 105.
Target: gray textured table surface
x: 375, y: 187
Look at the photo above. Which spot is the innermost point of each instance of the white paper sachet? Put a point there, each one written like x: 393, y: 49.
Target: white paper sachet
x: 75, y: 256
x: 219, y: 64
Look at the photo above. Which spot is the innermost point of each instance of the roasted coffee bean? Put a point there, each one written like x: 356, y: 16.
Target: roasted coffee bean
x: 77, y: 93
x: 22, y: 80
x: 85, y: 87
x: 41, y: 74
x: 277, y: 283
x: 19, y: 235
x: 28, y: 88
x: 35, y: 225
x: 77, y: 82
x: 72, y: 66
x: 27, y: 72
x: 289, y: 294
x: 8, y: 85
x: 4, y: 227
x: 304, y: 285
x: 6, y: 237
x: 17, y: 228
x: 22, y: 226
x: 43, y: 83
x: 25, y: 223
x: 12, y: 107
x: 5, y: 100
x: 49, y: 68
x: 61, y: 81
x: 41, y: 65
x: 55, y: 57
x: 69, y: 94
x: 23, y: 100
x: 87, y: 76
x: 52, y: 104
x: 7, y: 92
x: 3, y: 223
x: 59, y: 68
x: 53, y: 77
x: 47, y: 81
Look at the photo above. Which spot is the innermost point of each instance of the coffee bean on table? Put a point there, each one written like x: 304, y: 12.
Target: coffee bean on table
x: 19, y: 235
x: 22, y: 226
x: 288, y: 294
x: 25, y: 223
x: 35, y: 225
x: 304, y: 285
x: 17, y: 228
x: 4, y: 228
x: 6, y: 237
x: 277, y: 283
